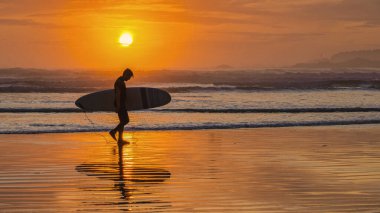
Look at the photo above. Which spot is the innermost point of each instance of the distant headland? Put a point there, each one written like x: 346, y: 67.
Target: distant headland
x: 350, y: 59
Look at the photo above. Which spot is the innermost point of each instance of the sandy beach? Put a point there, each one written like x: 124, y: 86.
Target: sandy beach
x: 299, y: 169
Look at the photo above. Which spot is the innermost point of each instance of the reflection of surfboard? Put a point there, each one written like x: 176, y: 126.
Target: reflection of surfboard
x: 112, y: 172
x: 137, y: 98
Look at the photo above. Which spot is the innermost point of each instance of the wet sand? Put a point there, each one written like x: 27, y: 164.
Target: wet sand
x: 298, y: 169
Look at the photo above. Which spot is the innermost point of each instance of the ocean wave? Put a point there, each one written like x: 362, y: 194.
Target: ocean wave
x: 39, y: 110
x: 210, y: 88
x: 206, y: 88
x: 274, y: 110
x: 197, y: 110
x: 47, y: 125
x: 231, y: 88
x: 200, y: 127
x: 173, y: 89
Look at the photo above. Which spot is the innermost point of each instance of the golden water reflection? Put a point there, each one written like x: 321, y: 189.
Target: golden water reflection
x: 129, y: 180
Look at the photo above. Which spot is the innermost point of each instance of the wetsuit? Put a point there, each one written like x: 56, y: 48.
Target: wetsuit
x: 122, y: 112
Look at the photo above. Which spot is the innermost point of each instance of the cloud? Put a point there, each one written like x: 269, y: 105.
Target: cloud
x: 210, y: 12
x: 286, y: 12
x: 366, y: 11
x: 280, y: 36
x: 24, y: 22
x: 17, y: 22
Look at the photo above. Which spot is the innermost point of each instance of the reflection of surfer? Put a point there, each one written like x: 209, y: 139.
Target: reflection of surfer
x: 120, y: 185
x: 120, y: 107
x: 128, y: 181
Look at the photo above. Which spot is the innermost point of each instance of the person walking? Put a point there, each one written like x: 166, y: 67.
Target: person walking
x: 120, y: 105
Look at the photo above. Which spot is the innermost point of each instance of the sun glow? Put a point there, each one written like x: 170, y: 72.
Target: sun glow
x: 126, y: 39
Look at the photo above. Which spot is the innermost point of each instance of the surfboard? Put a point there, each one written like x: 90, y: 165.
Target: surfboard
x: 138, y: 98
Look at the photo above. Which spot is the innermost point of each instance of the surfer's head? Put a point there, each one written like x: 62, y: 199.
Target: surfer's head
x: 127, y: 74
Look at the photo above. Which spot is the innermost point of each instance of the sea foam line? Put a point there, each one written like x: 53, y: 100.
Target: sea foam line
x: 200, y: 127
x: 274, y: 110
x: 196, y: 110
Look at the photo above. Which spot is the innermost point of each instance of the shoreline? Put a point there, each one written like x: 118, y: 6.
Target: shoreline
x: 243, y: 126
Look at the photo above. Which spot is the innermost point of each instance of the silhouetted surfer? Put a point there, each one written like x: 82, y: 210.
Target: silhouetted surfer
x: 120, y: 107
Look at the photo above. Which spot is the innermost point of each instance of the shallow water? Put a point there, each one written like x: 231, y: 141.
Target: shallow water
x: 304, y: 169
x: 56, y: 112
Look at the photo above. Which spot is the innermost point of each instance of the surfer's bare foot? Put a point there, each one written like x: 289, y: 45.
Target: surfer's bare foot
x: 113, y: 134
x: 122, y: 142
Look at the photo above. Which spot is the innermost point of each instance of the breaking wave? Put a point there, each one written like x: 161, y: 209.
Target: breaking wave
x: 197, y: 127
x: 253, y: 110
x: 274, y: 110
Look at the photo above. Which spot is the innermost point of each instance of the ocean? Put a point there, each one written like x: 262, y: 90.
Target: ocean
x: 195, y: 106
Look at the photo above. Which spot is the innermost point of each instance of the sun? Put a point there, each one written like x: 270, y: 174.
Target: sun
x: 126, y: 39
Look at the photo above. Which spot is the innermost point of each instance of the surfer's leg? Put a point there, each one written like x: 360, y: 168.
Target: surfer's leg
x: 124, y: 119
x: 114, y: 130
x: 113, y: 133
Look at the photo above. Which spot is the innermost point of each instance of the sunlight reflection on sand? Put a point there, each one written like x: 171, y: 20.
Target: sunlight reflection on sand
x: 318, y: 169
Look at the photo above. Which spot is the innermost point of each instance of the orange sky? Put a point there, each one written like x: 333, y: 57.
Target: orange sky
x: 182, y: 33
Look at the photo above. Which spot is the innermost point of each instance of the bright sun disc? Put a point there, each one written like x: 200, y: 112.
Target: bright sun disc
x: 126, y: 39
